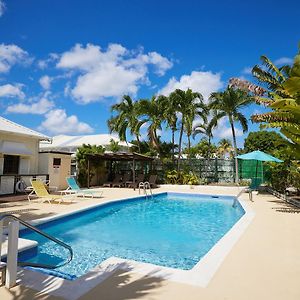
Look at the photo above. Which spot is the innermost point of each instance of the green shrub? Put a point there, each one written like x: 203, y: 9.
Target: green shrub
x: 182, y: 177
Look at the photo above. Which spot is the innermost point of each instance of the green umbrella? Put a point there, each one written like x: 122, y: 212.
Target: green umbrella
x: 258, y: 156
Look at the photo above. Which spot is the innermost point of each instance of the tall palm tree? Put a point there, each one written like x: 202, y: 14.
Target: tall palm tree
x: 195, y: 109
x: 126, y: 118
x: 170, y: 116
x: 152, y: 114
x: 206, y: 129
x: 188, y: 105
x: 228, y: 104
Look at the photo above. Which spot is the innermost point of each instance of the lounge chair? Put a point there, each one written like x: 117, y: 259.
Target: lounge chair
x: 152, y: 181
x: 39, y: 189
x: 116, y: 180
x: 125, y: 179
x: 140, y: 178
x: 73, y: 188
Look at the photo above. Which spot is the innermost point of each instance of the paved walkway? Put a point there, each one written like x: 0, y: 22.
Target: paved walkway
x: 264, y: 263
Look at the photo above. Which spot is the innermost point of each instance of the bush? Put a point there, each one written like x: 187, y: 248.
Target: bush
x: 182, y: 177
x: 284, y: 175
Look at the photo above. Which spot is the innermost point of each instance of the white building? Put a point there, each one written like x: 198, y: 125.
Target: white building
x: 69, y: 143
x: 19, y: 148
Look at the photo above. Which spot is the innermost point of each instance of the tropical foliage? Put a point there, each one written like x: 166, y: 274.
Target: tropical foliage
x: 113, y: 146
x: 266, y: 141
x: 82, y: 162
x: 283, y: 97
x: 181, y: 177
x: 224, y: 148
x: 125, y: 118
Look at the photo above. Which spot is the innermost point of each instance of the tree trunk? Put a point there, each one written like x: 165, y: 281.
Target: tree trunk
x: 139, y: 143
x: 208, y: 159
x: 189, y: 149
x: 235, y: 151
x: 179, y: 146
x: 173, y: 146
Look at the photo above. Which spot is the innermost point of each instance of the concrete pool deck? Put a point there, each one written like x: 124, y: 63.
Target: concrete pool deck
x: 263, y: 264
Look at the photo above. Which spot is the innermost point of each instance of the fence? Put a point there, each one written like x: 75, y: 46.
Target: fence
x: 211, y: 170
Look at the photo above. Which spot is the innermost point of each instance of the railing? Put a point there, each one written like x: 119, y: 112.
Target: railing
x: 12, y: 250
x: 8, y: 182
x: 145, y: 185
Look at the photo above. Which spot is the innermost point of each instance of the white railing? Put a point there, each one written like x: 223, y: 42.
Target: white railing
x: 12, y: 248
x: 145, y: 186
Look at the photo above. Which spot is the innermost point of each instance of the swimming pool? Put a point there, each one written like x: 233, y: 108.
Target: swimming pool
x: 171, y: 230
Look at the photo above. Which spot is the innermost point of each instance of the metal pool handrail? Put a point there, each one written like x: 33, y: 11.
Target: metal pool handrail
x: 44, y: 234
x: 144, y: 186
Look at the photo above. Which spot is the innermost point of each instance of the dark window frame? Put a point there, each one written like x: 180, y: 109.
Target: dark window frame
x: 11, y: 164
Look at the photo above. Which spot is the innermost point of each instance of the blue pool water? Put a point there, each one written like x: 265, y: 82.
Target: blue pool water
x: 173, y: 230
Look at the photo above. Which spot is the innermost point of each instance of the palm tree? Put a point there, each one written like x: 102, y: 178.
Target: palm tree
x: 224, y: 146
x: 170, y: 116
x: 206, y: 129
x: 196, y: 109
x: 188, y: 104
x: 270, y: 76
x: 126, y: 118
x: 282, y: 87
x: 153, y: 114
x: 228, y: 104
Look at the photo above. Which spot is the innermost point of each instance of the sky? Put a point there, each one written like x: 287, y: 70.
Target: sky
x: 64, y: 63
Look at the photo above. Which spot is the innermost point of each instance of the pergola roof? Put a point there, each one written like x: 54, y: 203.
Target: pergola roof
x: 123, y: 156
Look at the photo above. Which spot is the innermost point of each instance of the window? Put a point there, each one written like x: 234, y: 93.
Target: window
x: 11, y: 164
x: 56, y: 162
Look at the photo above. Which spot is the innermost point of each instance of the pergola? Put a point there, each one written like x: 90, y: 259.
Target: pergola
x: 122, y: 156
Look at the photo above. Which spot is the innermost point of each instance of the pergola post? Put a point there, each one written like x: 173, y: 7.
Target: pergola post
x: 133, y: 173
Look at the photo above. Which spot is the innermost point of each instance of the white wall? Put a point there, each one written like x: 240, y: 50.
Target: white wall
x: 57, y: 176
x: 28, y: 164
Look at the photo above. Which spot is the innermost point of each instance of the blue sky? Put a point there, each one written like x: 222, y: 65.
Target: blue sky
x: 64, y: 63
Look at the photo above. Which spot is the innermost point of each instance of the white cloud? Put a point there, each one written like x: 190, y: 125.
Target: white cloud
x: 283, y: 61
x: 11, y: 55
x: 11, y: 91
x: 44, y: 63
x: 45, y: 82
x: 202, y: 82
x: 2, y: 8
x: 111, y: 72
x: 57, y: 122
x: 37, y: 108
x: 224, y: 130
x: 247, y: 70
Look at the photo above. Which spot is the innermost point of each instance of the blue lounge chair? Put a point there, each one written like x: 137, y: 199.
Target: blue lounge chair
x: 73, y: 188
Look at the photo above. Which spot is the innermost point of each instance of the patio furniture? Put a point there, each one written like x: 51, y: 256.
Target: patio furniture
x: 40, y: 191
x: 116, y: 180
x: 152, y: 181
x: 73, y: 188
x: 140, y: 178
x: 125, y: 179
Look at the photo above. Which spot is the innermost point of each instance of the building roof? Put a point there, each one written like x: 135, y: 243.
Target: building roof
x: 55, y: 152
x: 7, y: 126
x: 63, y: 142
